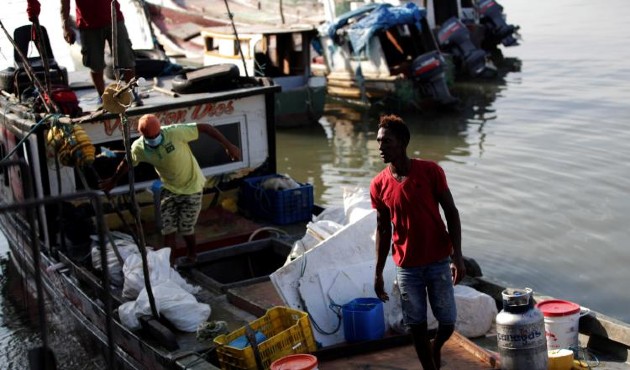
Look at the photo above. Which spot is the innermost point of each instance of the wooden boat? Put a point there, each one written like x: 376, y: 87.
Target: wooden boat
x: 281, y: 53
x: 383, y: 52
x: 412, y: 55
x: 33, y: 123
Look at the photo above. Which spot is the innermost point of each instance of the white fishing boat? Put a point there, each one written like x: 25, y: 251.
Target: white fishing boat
x: 283, y: 54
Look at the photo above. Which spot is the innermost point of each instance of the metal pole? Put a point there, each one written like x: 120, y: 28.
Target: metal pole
x: 238, y: 42
x: 136, y: 214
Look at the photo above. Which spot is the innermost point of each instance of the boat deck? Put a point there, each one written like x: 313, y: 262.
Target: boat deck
x: 394, y: 352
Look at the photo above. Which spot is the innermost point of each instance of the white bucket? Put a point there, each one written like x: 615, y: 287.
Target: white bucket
x: 562, y: 319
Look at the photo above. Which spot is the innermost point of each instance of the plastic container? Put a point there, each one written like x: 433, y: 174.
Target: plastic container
x: 521, y: 332
x: 363, y: 319
x: 562, y: 319
x: 560, y: 359
x: 295, y: 362
x: 288, y: 331
x: 279, y: 206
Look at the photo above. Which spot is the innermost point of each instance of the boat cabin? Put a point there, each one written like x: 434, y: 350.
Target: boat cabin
x: 265, y: 51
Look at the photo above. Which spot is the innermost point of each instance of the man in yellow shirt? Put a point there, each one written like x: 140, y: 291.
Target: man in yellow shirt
x: 167, y: 150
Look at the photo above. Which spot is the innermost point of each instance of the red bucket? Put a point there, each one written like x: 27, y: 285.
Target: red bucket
x: 301, y: 361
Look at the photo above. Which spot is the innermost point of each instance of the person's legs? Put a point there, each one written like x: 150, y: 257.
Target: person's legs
x: 99, y: 81
x: 191, y: 244
x: 442, y: 299
x: 189, y: 209
x: 169, y: 241
x: 422, y: 345
x: 168, y: 211
x: 414, y: 308
x: 93, y: 55
x: 443, y: 333
x: 127, y: 59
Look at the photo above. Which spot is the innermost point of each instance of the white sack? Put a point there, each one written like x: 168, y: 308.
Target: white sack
x: 126, y: 247
x: 172, y: 302
x: 160, y: 271
x: 356, y: 203
x: 127, y: 315
x: 476, y: 311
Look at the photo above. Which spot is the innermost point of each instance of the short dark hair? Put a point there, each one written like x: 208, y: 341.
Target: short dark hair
x: 397, y: 126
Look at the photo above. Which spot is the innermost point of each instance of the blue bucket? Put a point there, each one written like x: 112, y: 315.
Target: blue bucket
x: 363, y: 319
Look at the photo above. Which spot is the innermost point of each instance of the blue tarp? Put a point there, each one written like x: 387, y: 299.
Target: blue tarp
x: 381, y: 16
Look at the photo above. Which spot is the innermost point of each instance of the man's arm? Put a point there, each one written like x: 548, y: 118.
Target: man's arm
x: 108, y: 184
x: 455, y: 233
x: 232, y: 150
x: 383, y: 244
x: 68, y: 33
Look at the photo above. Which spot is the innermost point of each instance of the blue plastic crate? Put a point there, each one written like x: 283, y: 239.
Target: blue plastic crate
x: 279, y: 206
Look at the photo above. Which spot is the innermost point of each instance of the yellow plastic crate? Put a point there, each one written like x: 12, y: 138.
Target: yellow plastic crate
x: 288, y: 331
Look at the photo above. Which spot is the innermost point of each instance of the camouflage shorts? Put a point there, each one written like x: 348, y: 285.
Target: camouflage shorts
x: 179, y: 212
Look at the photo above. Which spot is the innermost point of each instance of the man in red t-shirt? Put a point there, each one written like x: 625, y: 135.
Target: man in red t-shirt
x: 407, y: 195
x: 94, y: 21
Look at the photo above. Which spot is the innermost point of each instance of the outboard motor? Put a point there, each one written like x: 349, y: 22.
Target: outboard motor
x: 491, y: 15
x: 428, y: 70
x: 455, y: 37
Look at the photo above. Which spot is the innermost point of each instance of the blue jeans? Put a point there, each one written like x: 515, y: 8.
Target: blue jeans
x: 433, y: 280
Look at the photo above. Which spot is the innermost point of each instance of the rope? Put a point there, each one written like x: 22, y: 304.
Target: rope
x: 584, y: 358
x: 32, y: 130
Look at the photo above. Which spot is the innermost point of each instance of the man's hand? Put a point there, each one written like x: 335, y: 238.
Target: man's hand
x: 458, y: 269
x: 107, y: 184
x: 68, y: 33
x: 379, y: 288
x: 233, y: 151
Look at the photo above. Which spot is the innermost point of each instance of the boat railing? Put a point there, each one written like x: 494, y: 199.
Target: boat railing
x: 30, y: 205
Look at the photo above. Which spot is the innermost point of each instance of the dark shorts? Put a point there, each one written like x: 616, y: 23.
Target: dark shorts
x: 179, y: 212
x: 433, y: 281
x: 93, y: 47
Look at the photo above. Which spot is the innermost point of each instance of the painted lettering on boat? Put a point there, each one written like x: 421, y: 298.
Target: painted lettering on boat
x: 191, y: 114
x: 211, y: 109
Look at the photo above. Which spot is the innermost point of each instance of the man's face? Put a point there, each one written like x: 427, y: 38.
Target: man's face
x: 389, y: 146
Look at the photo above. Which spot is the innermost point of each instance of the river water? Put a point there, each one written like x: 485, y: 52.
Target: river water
x: 537, y: 161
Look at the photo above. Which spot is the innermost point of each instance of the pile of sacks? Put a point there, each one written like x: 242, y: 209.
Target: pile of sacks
x: 174, y: 297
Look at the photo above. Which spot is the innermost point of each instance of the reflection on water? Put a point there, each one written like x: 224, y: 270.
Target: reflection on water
x: 19, y: 332
x: 342, y: 152
x: 536, y: 159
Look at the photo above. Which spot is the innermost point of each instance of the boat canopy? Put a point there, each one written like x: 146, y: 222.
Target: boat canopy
x: 380, y: 17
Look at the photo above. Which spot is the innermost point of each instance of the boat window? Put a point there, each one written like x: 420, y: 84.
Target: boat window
x: 403, y: 43
x: 210, y: 46
x: 244, y: 48
x: 297, y: 42
x: 286, y: 55
x: 209, y: 152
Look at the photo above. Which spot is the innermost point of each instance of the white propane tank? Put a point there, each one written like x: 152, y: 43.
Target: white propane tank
x: 521, y: 332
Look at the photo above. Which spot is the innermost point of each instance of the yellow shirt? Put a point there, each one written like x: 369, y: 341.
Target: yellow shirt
x: 173, y: 160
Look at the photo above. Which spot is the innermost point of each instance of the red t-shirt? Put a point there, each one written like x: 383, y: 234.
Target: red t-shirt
x: 419, y: 234
x: 96, y: 13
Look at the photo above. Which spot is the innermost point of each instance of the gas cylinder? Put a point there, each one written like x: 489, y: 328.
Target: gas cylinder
x: 521, y: 332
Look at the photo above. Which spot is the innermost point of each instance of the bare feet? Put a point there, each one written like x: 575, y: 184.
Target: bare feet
x: 188, y: 261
